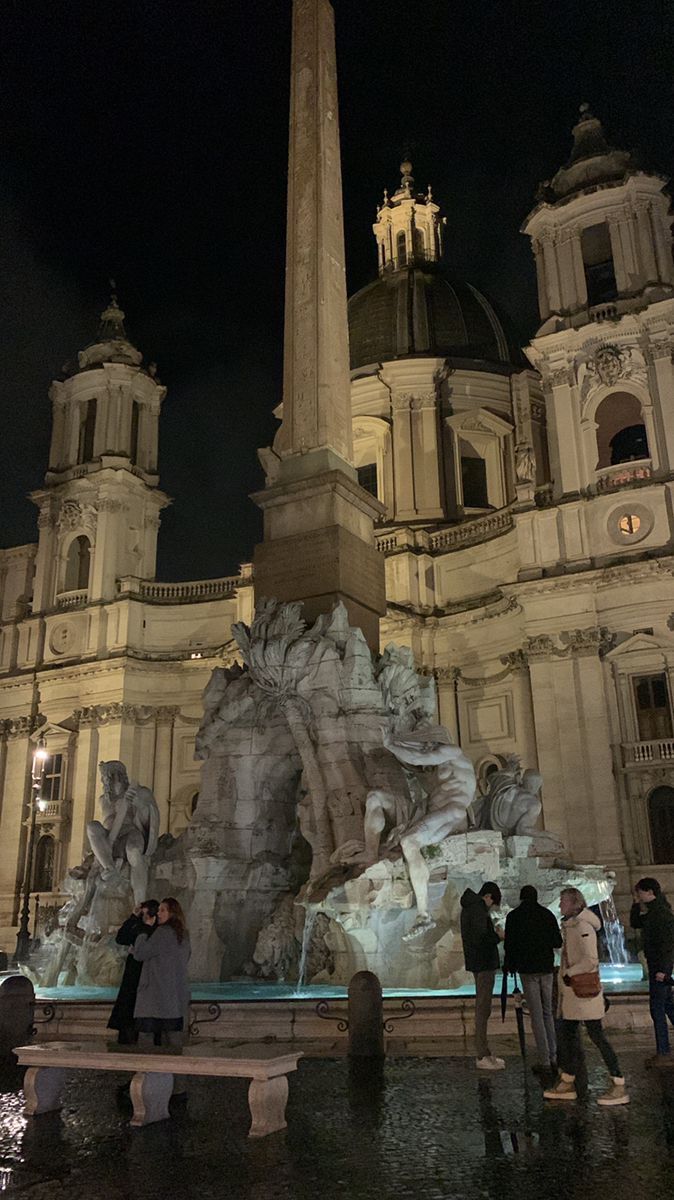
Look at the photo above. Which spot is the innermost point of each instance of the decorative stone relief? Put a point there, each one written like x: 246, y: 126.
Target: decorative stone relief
x: 77, y: 514
x: 609, y: 364
x: 139, y: 714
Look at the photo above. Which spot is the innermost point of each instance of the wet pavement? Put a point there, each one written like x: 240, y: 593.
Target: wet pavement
x: 432, y: 1128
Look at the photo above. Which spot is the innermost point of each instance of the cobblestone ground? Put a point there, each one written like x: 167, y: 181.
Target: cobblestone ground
x: 434, y: 1129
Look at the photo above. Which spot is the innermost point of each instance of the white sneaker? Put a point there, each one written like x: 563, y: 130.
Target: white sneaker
x: 489, y: 1063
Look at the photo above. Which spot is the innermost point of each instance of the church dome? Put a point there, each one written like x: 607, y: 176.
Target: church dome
x: 422, y: 310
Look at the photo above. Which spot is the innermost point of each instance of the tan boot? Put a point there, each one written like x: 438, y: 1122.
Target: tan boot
x: 564, y: 1090
x: 616, y: 1094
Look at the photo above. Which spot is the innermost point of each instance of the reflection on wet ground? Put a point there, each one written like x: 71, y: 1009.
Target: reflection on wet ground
x: 421, y: 1128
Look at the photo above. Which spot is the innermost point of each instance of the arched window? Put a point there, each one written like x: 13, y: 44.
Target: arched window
x: 135, y: 425
x: 621, y: 434
x: 598, y: 263
x: 87, y: 431
x: 661, y: 818
x: 43, y: 873
x: 401, y: 249
x: 419, y: 244
x: 77, y: 564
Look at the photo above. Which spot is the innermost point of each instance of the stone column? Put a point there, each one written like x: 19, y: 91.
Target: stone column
x: 661, y: 372
x: 163, y: 754
x: 649, y: 270
x: 17, y: 789
x: 543, y: 303
x: 551, y: 271
x: 562, y: 416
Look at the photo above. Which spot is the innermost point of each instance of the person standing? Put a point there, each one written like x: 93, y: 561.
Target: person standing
x: 652, y: 914
x: 162, y: 1002
x: 581, y: 1000
x: 480, y: 951
x: 531, y: 937
x: 142, y: 920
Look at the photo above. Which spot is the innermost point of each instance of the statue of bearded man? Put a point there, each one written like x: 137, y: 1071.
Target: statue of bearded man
x: 129, y: 830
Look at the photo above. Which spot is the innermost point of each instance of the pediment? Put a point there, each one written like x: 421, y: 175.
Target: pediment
x: 479, y: 420
x: 640, y: 644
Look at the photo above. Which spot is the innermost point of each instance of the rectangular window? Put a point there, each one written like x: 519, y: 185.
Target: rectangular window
x: 598, y: 263
x: 654, y: 714
x: 367, y: 477
x: 474, y: 482
x: 52, y: 778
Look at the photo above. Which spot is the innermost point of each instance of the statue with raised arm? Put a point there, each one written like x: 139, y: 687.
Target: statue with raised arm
x: 447, y: 777
x: 129, y: 830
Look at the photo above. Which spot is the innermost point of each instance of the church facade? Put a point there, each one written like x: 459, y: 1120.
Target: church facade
x: 527, y: 534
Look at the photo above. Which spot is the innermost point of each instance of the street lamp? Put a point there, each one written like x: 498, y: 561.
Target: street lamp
x: 40, y: 756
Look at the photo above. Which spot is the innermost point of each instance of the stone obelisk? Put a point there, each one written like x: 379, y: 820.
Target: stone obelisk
x: 318, y: 542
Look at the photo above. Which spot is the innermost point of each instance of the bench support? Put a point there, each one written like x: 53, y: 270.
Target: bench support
x: 42, y: 1089
x: 150, y: 1094
x: 267, y: 1099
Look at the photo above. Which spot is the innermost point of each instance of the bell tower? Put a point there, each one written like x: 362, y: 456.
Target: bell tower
x: 408, y: 229
x: 99, y: 508
x: 601, y: 236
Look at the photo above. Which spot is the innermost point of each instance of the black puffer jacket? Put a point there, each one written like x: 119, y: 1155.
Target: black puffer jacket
x: 531, y: 937
x: 657, y: 933
x: 480, y: 939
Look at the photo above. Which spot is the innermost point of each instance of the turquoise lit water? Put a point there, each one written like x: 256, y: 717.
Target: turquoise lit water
x: 616, y: 979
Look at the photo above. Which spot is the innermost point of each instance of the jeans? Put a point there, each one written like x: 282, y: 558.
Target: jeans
x: 484, y: 992
x: 570, y: 1051
x: 538, y: 995
x: 662, y: 1007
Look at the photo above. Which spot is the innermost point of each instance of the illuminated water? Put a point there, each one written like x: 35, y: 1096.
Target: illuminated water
x: 615, y: 977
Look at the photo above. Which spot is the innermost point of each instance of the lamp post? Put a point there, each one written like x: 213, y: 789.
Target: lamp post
x: 40, y: 756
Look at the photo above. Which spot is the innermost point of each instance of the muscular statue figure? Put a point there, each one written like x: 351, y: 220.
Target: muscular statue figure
x: 448, y: 780
x: 129, y: 830
x: 512, y: 804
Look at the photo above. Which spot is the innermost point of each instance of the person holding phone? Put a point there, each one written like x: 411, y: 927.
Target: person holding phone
x: 143, y: 919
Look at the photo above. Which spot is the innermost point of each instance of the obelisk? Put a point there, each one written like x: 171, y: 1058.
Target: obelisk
x: 318, y: 542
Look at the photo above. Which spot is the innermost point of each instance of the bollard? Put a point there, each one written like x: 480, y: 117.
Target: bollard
x: 17, y: 998
x: 366, y: 1016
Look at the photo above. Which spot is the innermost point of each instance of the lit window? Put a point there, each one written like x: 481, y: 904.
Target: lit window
x: 629, y: 524
x: 52, y: 778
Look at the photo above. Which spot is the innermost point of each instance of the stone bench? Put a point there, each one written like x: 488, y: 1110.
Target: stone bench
x: 153, y: 1076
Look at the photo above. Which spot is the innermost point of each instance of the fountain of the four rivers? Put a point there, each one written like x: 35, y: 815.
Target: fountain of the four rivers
x: 337, y: 824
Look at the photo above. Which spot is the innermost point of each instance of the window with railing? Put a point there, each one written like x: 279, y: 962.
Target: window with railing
x: 653, y: 707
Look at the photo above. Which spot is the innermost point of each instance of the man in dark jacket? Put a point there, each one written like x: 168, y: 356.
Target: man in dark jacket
x: 480, y: 951
x: 143, y: 919
x: 651, y: 913
x: 531, y: 937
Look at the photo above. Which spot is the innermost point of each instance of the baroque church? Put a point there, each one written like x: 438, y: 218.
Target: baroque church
x: 527, y: 532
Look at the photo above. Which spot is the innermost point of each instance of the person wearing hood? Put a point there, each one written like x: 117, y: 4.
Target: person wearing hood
x: 651, y: 913
x: 531, y: 937
x: 480, y: 951
x: 581, y: 1000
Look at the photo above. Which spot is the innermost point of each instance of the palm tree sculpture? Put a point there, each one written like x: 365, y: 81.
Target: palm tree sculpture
x: 277, y: 652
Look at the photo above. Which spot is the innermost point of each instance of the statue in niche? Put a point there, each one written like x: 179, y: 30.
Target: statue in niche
x: 129, y: 830
x: 525, y: 463
x: 512, y: 804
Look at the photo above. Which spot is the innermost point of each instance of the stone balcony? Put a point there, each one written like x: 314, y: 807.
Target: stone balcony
x: 454, y: 537
x: 646, y: 754
x: 73, y: 599
x: 188, y: 592
x: 611, y: 479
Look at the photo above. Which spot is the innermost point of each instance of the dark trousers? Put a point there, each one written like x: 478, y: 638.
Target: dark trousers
x: 662, y: 1007
x: 484, y: 992
x: 570, y: 1051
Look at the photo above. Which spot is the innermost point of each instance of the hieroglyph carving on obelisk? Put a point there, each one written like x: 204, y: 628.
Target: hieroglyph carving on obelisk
x: 316, y: 397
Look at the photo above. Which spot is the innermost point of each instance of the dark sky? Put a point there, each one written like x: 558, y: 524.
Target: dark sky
x: 147, y: 139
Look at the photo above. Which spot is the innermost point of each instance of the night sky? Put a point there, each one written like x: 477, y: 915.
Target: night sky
x: 147, y: 140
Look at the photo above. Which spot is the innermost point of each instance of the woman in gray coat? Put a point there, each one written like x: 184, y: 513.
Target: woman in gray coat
x: 163, y: 999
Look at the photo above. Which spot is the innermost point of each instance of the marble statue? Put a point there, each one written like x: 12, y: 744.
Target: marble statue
x: 448, y: 781
x: 129, y: 830
x: 512, y: 804
x: 525, y: 463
